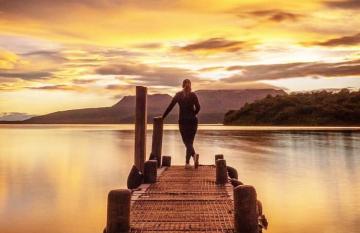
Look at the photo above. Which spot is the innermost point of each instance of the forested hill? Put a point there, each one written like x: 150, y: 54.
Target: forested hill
x: 302, y: 109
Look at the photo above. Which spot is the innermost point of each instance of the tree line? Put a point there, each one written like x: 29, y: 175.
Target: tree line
x: 320, y: 108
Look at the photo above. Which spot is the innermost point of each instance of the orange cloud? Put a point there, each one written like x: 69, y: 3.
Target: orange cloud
x: 340, y: 41
x: 345, y: 4
x: 294, y: 70
x: 275, y: 15
x: 214, y: 45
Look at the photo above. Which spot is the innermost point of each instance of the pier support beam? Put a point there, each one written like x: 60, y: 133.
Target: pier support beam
x: 157, y: 139
x: 150, y: 171
x: 140, y: 127
x: 118, y: 211
x: 246, y: 216
x: 221, y: 172
x: 232, y: 172
x: 166, y: 161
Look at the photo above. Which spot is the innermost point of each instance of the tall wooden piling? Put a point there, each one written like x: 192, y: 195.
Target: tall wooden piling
x: 219, y: 156
x: 157, y: 139
x: 221, y: 172
x: 140, y: 127
x: 118, y: 211
x: 246, y: 216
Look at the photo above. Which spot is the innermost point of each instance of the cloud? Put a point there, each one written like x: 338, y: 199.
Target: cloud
x: 345, y: 40
x: 84, y: 81
x: 235, y: 84
x: 34, y: 75
x: 344, y: 4
x: 294, y: 70
x: 46, y: 54
x: 120, y: 87
x: 57, y: 88
x: 216, y: 44
x: 149, y: 45
x: 7, y: 59
x: 148, y: 75
x: 274, y: 15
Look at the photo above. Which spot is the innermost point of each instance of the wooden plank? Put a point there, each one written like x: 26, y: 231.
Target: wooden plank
x: 183, y: 200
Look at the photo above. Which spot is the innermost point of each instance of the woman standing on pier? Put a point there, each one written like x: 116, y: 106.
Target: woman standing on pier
x: 188, y: 122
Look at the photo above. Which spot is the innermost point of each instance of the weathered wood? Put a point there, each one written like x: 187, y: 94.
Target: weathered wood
x: 218, y: 156
x: 183, y: 200
x: 232, y: 172
x: 166, y: 161
x: 135, y: 178
x: 196, y: 161
x: 221, y: 172
x: 140, y: 127
x: 118, y: 211
x: 150, y: 171
x: 157, y: 139
x: 245, y: 207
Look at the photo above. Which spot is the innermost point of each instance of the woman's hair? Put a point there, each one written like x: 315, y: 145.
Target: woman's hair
x: 186, y: 86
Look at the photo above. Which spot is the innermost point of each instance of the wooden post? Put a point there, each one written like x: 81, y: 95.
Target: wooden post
x: 221, y: 172
x: 219, y: 156
x: 140, y: 127
x: 157, y: 139
x: 118, y: 211
x: 150, y: 171
x: 166, y: 161
x: 246, y: 216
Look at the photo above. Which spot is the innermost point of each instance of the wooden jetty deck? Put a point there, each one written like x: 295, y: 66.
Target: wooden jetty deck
x: 183, y: 200
x: 165, y: 198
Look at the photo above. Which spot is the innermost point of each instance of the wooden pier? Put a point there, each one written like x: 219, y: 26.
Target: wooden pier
x: 183, y: 200
x: 165, y: 198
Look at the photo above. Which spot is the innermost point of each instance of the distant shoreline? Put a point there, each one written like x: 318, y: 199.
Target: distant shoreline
x: 206, y: 127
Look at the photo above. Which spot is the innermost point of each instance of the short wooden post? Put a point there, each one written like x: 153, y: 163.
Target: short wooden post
x: 166, y: 161
x: 157, y: 139
x: 221, y: 172
x: 219, y: 156
x: 140, y: 127
x: 245, y: 217
x: 150, y: 171
x: 118, y: 211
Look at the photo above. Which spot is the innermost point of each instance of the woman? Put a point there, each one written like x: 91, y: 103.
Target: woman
x: 189, y: 108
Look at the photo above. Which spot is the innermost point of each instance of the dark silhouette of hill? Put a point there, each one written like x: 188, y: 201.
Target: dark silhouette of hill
x: 306, y: 109
x: 214, y: 104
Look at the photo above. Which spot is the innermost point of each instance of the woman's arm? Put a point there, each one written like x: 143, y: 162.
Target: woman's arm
x: 170, y: 107
x: 197, y: 105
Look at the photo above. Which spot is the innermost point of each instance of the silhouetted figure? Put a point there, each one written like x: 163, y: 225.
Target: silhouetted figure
x: 188, y: 122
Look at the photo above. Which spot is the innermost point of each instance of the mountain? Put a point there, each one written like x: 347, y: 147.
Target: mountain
x: 214, y: 104
x: 322, y: 108
x: 14, y: 116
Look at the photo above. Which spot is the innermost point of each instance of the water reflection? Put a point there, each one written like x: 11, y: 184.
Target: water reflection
x: 56, y: 178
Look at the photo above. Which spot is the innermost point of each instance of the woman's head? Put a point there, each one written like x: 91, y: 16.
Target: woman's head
x: 186, y: 85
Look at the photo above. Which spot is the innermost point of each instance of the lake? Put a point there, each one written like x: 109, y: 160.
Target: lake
x: 55, y: 178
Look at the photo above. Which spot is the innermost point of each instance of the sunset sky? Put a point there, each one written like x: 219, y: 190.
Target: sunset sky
x: 57, y: 55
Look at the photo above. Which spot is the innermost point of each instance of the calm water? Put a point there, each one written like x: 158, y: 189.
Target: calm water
x: 56, y: 178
